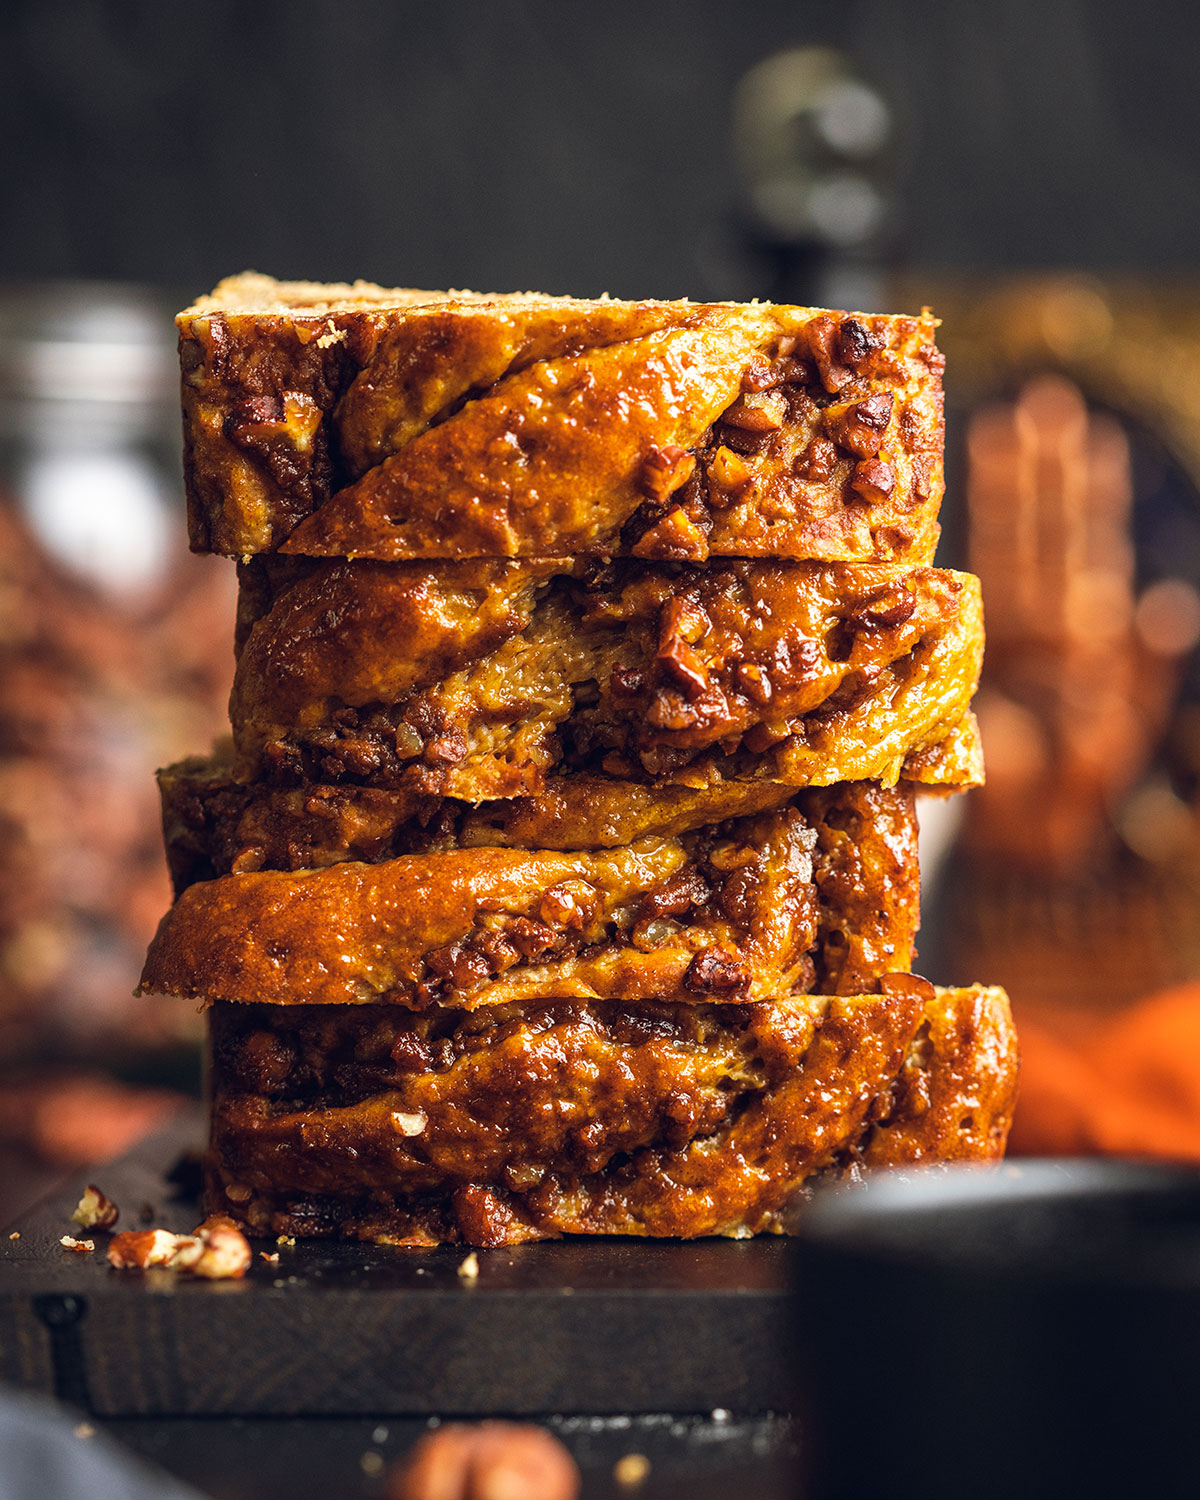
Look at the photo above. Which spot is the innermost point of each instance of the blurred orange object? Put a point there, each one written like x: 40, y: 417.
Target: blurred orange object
x: 72, y: 1118
x: 1131, y: 1089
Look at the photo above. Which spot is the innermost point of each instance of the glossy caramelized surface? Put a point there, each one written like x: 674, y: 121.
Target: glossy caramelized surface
x: 354, y: 421
x: 562, y: 874
x: 746, y: 909
x: 479, y: 680
x: 526, y: 1122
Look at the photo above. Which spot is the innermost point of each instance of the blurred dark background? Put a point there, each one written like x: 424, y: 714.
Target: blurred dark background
x: 570, y: 148
x: 1032, y: 169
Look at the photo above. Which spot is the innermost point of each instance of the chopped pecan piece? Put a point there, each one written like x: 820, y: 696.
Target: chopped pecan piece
x: 886, y: 607
x: 685, y: 618
x: 664, y: 470
x: 859, y: 426
x: 754, y: 682
x: 678, y: 896
x: 448, y: 749
x: 411, y: 1053
x: 626, y: 680
x: 676, y: 536
x: 727, y: 471
x: 224, y: 1252
x: 95, y: 1210
x: 738, y: 896
x: 685, y: 666
x: 684, y: 622
x: 569, y: 906
x: 454, y: 967
x: 138, y: 1249
x: 532, y: 938
x: 856, y: 345
x: 873, y: 479
x: 759, y: 374
x: 822, y: 335
x: 408, y: 741
x: 757, y: 411
x: 907, y: 984
x: 714, y: 972
x: 485, y: 1461
x: 217, y: 1251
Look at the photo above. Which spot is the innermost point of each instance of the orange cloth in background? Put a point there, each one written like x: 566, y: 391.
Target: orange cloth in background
x: 1131, y: 1090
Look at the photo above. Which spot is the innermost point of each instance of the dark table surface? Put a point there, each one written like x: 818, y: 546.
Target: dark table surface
x: 318, y: 1371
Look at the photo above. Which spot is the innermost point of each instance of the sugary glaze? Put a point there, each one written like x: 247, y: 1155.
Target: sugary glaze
x: 746, y: 910
x: 479, y: 680
x: 524, y: 1123
x: 358, y: 421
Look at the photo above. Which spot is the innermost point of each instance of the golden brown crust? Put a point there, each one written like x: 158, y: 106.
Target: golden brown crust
x: 360, y: 422
x: 865, y: 864
x: 728, y: 913
x: 531, y: 1122
x: 477, y: 680
x: 215, y: 825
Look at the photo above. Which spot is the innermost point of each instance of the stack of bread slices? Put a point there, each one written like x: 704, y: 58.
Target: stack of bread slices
x: 561, y: 874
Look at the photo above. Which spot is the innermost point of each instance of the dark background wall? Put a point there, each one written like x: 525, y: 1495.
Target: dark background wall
x: 566, y: 146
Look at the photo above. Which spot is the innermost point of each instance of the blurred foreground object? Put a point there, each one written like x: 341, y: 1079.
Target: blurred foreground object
x: 114, y: 656
x: 487, y: 1461
x: 45, y: 1450
x: 1046, y: 1316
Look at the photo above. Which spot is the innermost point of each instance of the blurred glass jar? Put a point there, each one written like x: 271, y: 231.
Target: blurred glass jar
x: 115, y: 657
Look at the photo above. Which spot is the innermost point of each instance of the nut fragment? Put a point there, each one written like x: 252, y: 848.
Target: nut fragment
x: 676, y: 536
x: 758, y: 374
x: 856, y: 345
x: 887, y: 607
x: 409, y: 743
x: 859, y: 426
x: 817, y: 462
x: 80, y: 1247
x: 873, y: 479
x: 137, y: 1249
x: 487, y: 1461
x: 757, y: 411
x: 684, y: 622
x: 224, y: 1253
x: 217, y: 1251
x: 727, y: 471
x: 664, y: 470
x: 907, y: 984
x: 754, y: 682
x: 570, y: 905
x: 714, y: 972
x: 822, y: 336
x: 684, y: 666
x: 686, y: 618
x: 408, y: 1124
x: 469, y: 1268
x: 95, y: 1210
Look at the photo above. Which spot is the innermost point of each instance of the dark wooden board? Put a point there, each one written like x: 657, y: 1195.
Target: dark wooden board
x: 582, y: 1326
